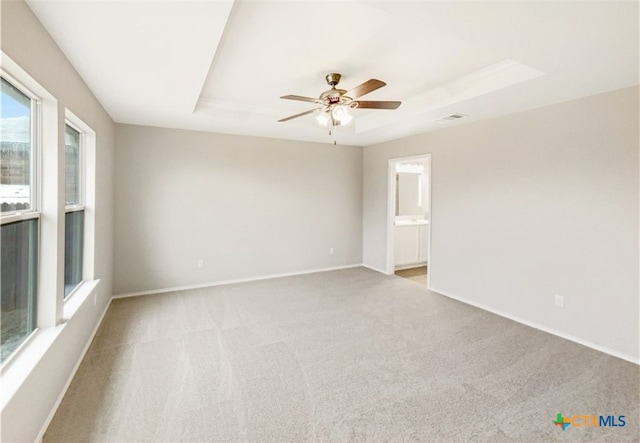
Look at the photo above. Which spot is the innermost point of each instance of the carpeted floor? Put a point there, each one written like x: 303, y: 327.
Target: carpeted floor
x: 349, y: 355
x: 416, y: 275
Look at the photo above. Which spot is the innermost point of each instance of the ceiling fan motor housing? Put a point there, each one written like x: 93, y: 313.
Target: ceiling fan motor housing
x: 333, y: 95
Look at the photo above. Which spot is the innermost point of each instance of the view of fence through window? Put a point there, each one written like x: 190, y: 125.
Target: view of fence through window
x: 72, y: 166
x: 15, y: 150
x: 19, y: 236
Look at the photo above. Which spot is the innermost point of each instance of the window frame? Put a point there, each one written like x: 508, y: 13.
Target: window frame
x: 35, y: 198
x: 81, y: 160
x: 49, y: 309
x: 81, y: 205
x: 87, y: 204
x: 53, y: 310
x: 36, y: 146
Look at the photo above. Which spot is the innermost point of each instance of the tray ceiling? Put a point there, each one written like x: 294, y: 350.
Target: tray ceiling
x: 221, y: 66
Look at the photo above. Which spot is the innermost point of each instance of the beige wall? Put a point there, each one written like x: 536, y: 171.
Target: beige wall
x: 246, y: 206
x: 531, y: 205
x: 28, y: 44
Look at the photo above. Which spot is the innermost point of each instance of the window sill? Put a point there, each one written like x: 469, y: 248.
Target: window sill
x: 19, y: 366
x: 77, y: 298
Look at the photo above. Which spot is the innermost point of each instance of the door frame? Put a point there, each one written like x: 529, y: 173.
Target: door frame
x: 391, y: 212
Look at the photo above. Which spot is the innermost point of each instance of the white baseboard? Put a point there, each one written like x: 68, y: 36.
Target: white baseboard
x: 604, y: 349
x: 240, y: 280
x: 47, y: 422
x: 375, y: 269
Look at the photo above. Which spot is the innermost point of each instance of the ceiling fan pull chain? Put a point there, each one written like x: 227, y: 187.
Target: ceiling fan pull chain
x: 335, y: 127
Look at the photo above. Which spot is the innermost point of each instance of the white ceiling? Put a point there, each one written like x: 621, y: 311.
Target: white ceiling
x: 222, y: 65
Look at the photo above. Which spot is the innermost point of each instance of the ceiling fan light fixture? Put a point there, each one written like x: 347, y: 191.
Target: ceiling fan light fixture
x: 322, y: 118
x: 341, y: 114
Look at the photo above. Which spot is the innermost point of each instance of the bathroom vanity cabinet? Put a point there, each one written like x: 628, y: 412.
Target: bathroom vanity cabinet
x: 411, y: 242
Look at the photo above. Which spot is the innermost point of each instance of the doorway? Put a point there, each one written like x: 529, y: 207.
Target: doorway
x: 409, y: 218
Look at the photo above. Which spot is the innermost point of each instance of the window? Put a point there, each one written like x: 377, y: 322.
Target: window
x: 16, y: 183
x: 19, y: 215
x: 33, y: 174
x: 74, y: 210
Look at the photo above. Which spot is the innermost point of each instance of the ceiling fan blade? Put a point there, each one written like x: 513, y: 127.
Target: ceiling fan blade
x: 300, y: 98
x: 365, y: 88
x: 298, y: 115
x: 377, y: 105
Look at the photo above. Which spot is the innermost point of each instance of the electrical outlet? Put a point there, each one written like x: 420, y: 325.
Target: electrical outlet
x: 200, y: 263
x: 560, y: 301
x: 330, y: 250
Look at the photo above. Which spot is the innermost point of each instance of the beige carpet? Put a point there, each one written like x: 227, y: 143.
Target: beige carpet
x: 349, y: 355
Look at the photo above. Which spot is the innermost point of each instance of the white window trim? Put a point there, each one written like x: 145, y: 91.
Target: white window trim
x: 87, y: 200
x: 34, y: 172
x: 18, y: 216
x: 33, y: 213
x: 81, y: 196
x: 44, y: 140
x: 52, y: 311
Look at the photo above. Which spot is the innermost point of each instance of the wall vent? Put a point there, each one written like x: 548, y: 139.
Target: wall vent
x: 449, y: 118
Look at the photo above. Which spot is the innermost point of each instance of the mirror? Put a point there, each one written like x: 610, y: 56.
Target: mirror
x: 409, y: 194
x: 412, y: 191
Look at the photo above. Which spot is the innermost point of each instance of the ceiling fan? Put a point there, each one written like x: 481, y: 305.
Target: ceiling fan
x: 334, y: 103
